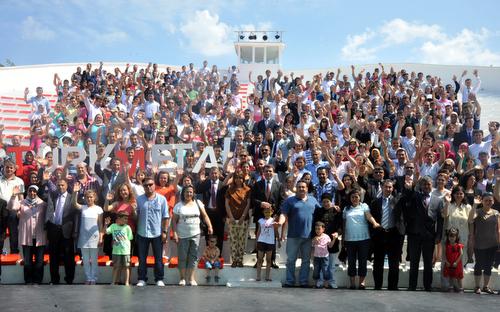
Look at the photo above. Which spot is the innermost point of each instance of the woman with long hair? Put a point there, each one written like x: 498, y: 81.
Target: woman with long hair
x: 237, y: 203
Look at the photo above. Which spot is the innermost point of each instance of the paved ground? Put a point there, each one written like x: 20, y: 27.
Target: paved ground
x: 115, y: 298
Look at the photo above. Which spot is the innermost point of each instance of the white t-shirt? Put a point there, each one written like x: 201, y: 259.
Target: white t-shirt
x: 475, y: 149
x: 89, y: 229
x: 189, y: 218
x: 266, y: 231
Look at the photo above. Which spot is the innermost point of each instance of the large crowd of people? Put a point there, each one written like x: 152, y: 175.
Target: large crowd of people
x: 341, y: 167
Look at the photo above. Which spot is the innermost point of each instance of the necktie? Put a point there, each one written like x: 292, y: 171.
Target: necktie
x: 379, y: 190
x: 426, y: 201
x: 59, y: 210
x: 268, y: 189
x: 112, y: 181
x: 385, y: 213
x: 273, y: 152
x: 213, y: 195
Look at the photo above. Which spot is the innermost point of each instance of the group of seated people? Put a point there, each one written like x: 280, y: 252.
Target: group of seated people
x: 337, y: 168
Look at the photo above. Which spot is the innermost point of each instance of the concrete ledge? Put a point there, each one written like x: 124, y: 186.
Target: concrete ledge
x: 237, y: 277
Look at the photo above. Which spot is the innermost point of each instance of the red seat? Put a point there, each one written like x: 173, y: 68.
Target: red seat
x: 201, y: 263
x: 134, y: 261
x: 9, y: 259
x: 174, y: 262
x: 103, y: 261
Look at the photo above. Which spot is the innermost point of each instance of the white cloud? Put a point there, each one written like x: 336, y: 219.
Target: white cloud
x: 467, y: 47
x: 31, y: 29
x: 422, y: 43
x: 355, y: 50
x: 398, y: 31
x: 206, y: 34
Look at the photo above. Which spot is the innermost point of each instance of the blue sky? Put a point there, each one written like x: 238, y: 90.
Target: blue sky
x: 318, y: 33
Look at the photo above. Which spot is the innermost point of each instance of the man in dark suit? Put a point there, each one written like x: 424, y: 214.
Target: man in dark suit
x: 466, y: 134
x: 265, y: 123
x: 111, y: 178
x: 254, y: 148
x: 211, y: 191
x: 373, y: 186
x: 277, y: 162
x: 247, y: 122
x: 266, y: 193
x: 60, y: 222
x: 388, y: 239
x: 424, y: 225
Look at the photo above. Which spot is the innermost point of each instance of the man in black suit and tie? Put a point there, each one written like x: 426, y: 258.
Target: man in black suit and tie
x: 210, y: 189
x: 466, y: 134
x: 247, y: 122
x: 254, y: 148
x: 424, y: 225
x: 266, y: 193
x: 265, y: 123
x: 61, y: 225
x: 111, y: 178
x: 373, y: 186
x: 388, y: 238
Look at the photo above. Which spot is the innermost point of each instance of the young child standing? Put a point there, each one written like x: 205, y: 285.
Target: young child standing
x: 321, y: 242
x: 453, y: 268
x: 211, y: 257
x: 267, y: 234
x: 122, y: 235
x: 89, y: 235
x: 331, y: 216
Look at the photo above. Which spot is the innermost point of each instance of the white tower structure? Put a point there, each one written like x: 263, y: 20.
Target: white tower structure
x: 258, y: 51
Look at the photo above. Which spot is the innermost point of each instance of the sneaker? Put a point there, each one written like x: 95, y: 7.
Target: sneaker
x: 160, y: 283
x: 182, y: 282
x: 193, y: 283
x: 334, y: 286
x: 141, y: 283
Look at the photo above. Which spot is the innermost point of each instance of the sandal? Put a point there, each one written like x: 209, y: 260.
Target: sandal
x: 488, y: 290
x: 477, y: 290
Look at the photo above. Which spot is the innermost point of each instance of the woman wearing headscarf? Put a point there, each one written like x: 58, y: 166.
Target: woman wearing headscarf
x: 32, y: 235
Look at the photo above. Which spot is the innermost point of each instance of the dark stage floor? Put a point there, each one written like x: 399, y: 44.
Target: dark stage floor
x: 118, y: 298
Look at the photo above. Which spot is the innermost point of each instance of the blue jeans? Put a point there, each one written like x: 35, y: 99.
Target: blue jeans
x: 332, y: 268
x: 142, y: 250
x: 321, y: 264
x: 293, y: 247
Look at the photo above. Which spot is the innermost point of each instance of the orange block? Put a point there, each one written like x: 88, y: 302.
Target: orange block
x: 174, y: 262
x: 9, y: 259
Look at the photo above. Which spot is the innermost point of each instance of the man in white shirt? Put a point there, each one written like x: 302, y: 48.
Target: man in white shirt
x: 151, y: 107
x: 38, y: 100
x: 430, y: 168
x: 479, y: 145
x: 467, y: 88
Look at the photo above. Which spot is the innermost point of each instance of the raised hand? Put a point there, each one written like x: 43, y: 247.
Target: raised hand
x: 77, y: 187
x: 16, y: 190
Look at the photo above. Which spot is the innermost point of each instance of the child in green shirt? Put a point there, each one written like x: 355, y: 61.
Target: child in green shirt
x: 122, y: 235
